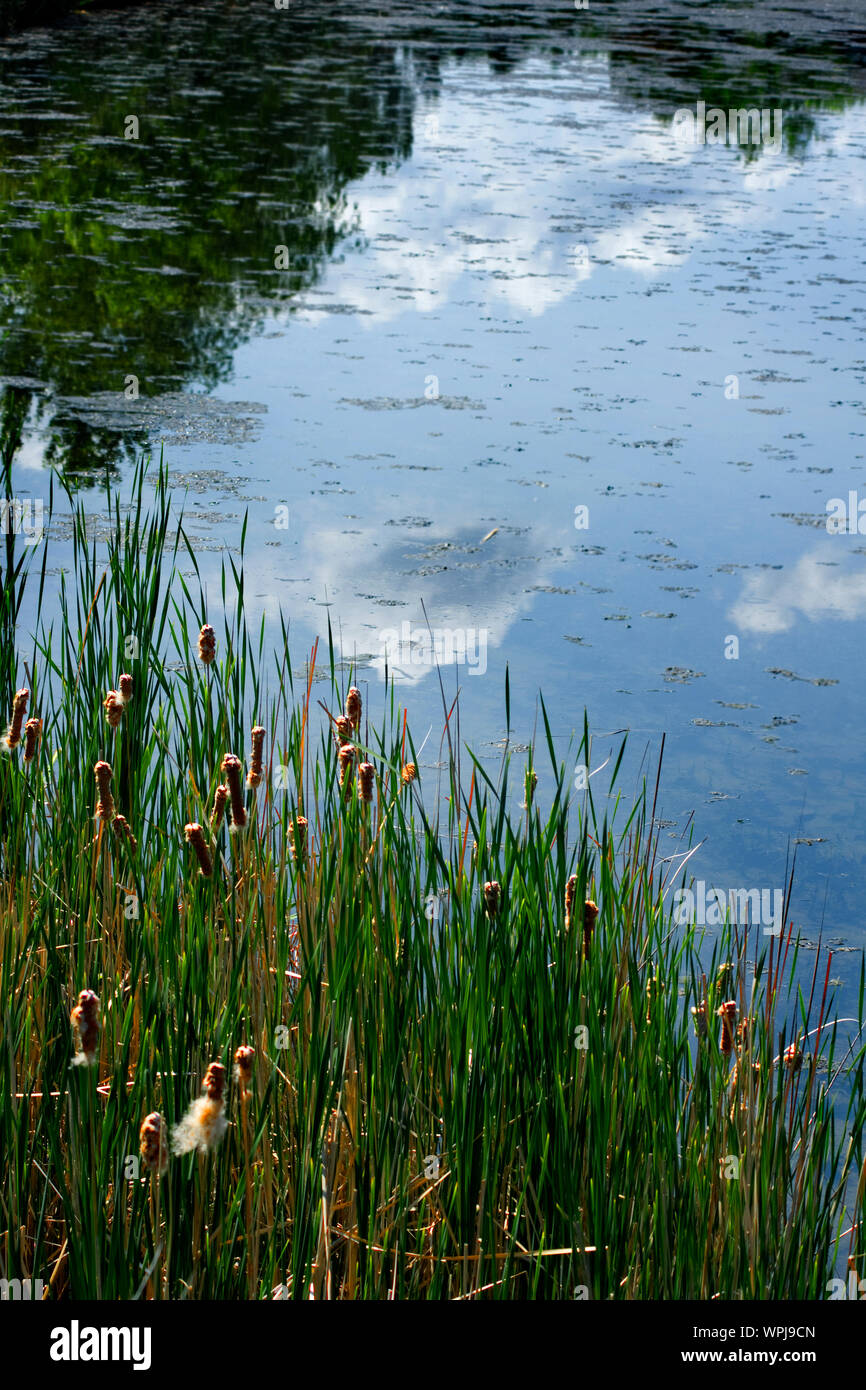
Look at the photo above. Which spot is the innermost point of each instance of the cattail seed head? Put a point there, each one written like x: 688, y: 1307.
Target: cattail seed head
x: 793, y: 1057
x: 204, y: 1124
x: 206, y: 645
x: 194, y: 836
x: 298, y: 836
x: 153, y: 1142
x: 32, y: 735
x: 590, y: 917
x: 530, y: 782
x: 408, y: 774
x: 728, y: 1014
x: 19, y: 709
x: 492, y: 898
x: 254, y: 776
x: 353, y: 706
x: 120, y: 826
x: 366, y: 780
x: 113, y: 706
x: 105, y: 804
x: 124, y: 687
x: 214, y: 1083
x: 347, y: 762
x: 244, y: 1058
x: 85, y: 1025
x: 343, y: 729
x: 221, y: 796
x: 231, y: 768
x: 570, y: 890
x: 699, y: 1014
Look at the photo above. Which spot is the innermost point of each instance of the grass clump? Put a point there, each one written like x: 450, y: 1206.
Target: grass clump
x: 339, y: 1029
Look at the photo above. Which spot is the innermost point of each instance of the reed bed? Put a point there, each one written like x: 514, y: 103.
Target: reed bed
x: 287, y: 1014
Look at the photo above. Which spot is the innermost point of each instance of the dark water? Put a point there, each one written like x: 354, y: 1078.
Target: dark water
x: 506, y: 291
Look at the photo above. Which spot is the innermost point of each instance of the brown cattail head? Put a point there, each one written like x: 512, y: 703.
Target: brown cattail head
x: 120, y: 826
x: 347, y: 762
x: 206, y: 645
x: 32, y: 735
x: 408, y: 774
x: 244, y: 1058
x: 699, y: 1014
x: 113, y: 706
x: 195, y: 836
x: 19, y: 709
x: 85, y: 1025
x: 298, y: 836
x: 231, y: 768
x: 492, y: 898
x: 214, y: 1083
x: 728, y: 1014
x: 124, y: 687
x: 570, y: 890
x: 353, y: 706
x: 793, y: 1057
x: 221, y: 796
x: 744, y: 1035
x: 254, y: 776
x: 105, y: 804
x: 153, y: 1145
x: 343, y: 729
x: 366, y: 780
x: 590, y: 916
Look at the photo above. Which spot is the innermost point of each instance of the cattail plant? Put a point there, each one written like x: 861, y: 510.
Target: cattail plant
x: 32, y: 735
x: 221, y: 796
x: 244, y: 1058
x: 590, y: 917
x: 728, y: 1014
x: 206, y: 645
x: 124, y: 687
x: 298, y: 837
x: 204, y: 1124
x: 153, y: 1143
x: 105, y: 802
x: 85, y: 1026
x: 353, y: 707
x: 492, y: 899
x: 347, y: 762
x: 343, y: 729
x: 366, y: 781
x: 19, y: 708
x: 408, y: 773
x: 231, y: 769
x: 699, y: 1014
x: 120, y: 826
x: 254, y: 776
x: 793, y: 1057
x: 194, y: 836
x: 113, y: 705
x: 570, y: 891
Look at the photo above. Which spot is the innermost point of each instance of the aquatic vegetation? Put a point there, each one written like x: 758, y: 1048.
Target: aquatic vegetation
x: 513, y: 1093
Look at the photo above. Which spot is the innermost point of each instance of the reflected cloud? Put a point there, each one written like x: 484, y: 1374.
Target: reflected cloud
x: 774, y: 601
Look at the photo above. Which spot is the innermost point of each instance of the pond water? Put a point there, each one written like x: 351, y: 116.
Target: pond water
x: 441, y: 295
